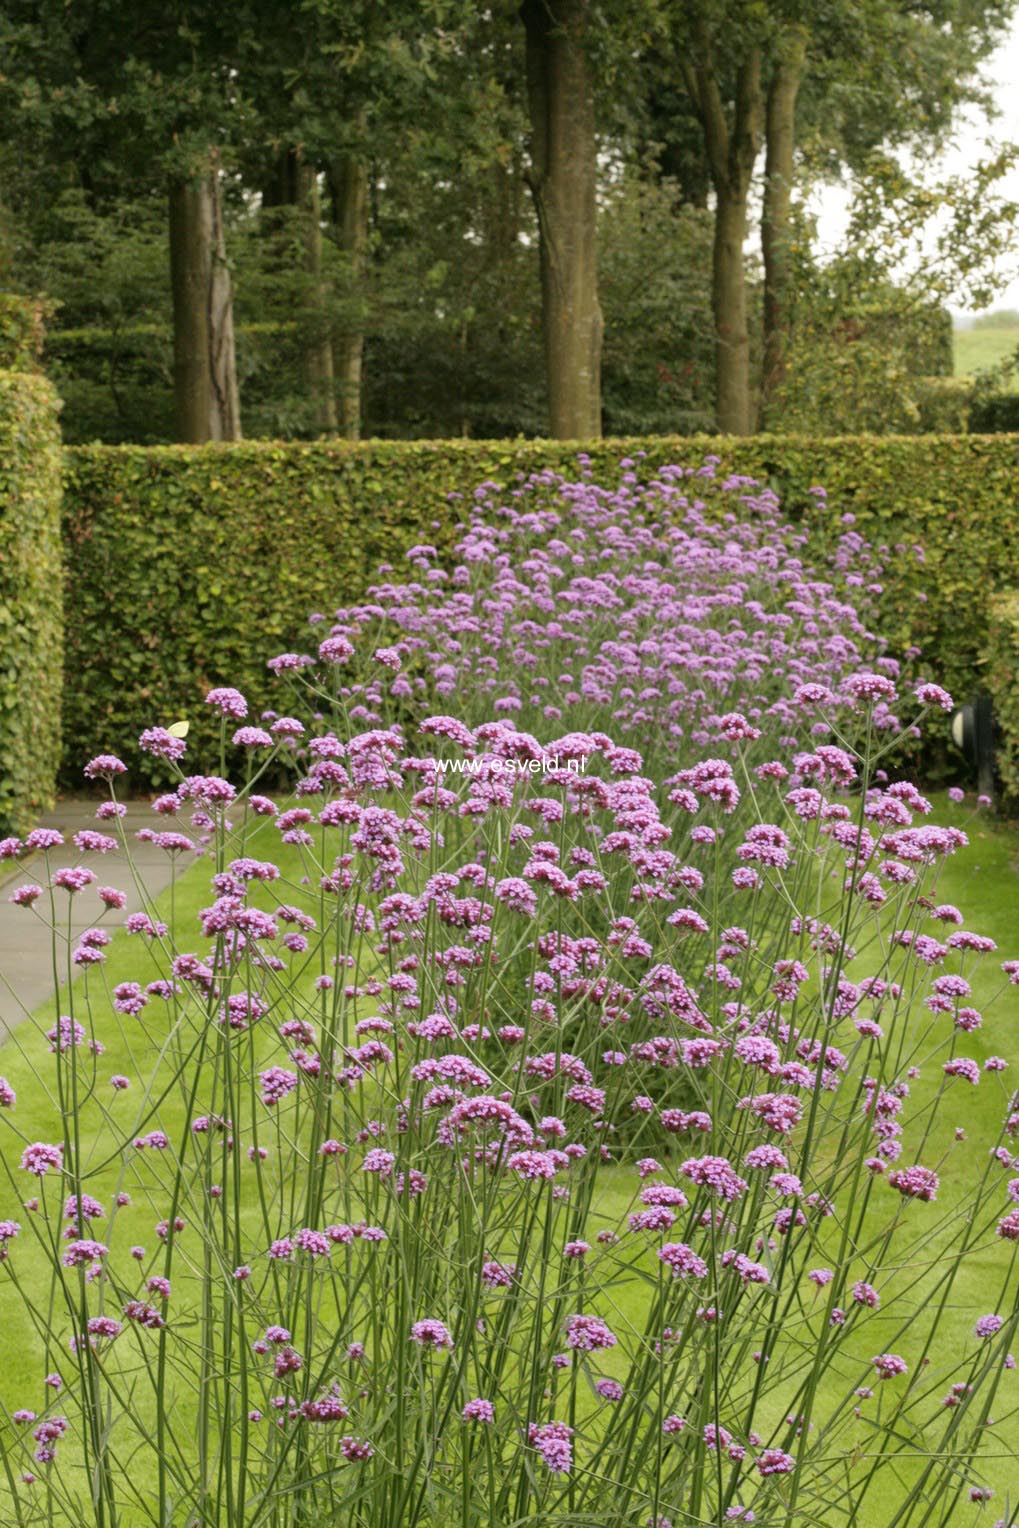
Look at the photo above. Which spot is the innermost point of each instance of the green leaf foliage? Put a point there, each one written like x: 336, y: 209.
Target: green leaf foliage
x: 31, y: 616
x: 1002, y: 683
x: 21, y: 332
x: 944, y: 405
x: 993, y: 413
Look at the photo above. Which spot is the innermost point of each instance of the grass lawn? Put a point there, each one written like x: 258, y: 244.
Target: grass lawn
x: 980, y: 347
x: 983, y: 881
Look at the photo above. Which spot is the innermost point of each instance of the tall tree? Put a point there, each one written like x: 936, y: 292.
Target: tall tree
x: 173, y: 84
x: 348, y: 184
x: 563, y: 182
x: 206, y: 401
x: 148, y: 101
x: 779, y: 179
x: 319, y: 366
x: 732, y: 133
x: 845, y: 78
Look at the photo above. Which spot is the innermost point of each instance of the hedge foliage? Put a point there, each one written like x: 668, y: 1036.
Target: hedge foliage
x: 22, y: 321
x: 188, y: 567
x: 944, y: 405
x: 31, y: 586
x: 1002, y: 681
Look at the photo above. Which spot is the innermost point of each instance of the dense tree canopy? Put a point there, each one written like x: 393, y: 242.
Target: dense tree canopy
x: 430, y: 217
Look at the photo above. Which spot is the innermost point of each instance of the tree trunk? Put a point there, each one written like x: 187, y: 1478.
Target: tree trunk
x: 732, y: 152
x: 779, y: 172
x: 225, y: 421
x: 189, y: 278
x: 204, y: 365
x: 733, y: 402
x: 349, y: 182
x: 318, y: 352
x: 563, y: 183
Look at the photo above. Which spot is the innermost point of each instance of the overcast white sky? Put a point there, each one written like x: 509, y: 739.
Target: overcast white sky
x: 970, y: 139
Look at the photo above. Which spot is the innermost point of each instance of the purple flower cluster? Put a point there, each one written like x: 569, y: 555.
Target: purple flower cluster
x: 644, y: 609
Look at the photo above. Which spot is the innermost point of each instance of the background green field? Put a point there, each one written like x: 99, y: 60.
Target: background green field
x: 989, y: 340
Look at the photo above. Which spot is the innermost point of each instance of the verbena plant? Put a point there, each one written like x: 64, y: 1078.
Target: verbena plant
x: 647, y: 609
x: 520, y: 1136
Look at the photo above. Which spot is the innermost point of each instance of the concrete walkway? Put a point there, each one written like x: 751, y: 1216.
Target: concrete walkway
x: 26, y: 971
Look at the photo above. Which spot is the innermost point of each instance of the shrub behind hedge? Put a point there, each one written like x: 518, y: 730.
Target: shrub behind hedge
x: 188, y: 566
x: 995, y: 413
x: 31, y: 619
x: 944, y: 405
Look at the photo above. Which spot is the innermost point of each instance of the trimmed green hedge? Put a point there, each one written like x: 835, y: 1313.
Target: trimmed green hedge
x: 31, y: 618
x: 189, y: 567
x: 21, y: 331
x: 1003, y: 685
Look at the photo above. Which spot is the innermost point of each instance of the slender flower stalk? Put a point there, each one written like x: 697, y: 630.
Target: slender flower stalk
x: 533, y: 1100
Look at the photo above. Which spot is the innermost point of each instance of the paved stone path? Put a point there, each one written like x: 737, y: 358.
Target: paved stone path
x: 26, y: 978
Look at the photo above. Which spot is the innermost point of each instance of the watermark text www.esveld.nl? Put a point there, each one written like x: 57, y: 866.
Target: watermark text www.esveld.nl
x: 548, y: 764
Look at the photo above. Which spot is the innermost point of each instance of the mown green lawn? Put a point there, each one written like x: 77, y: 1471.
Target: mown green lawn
x: 978, y: 348
x: 982, y: 880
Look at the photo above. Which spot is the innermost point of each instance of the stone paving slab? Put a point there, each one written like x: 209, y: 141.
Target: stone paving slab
x: 26, y: 968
